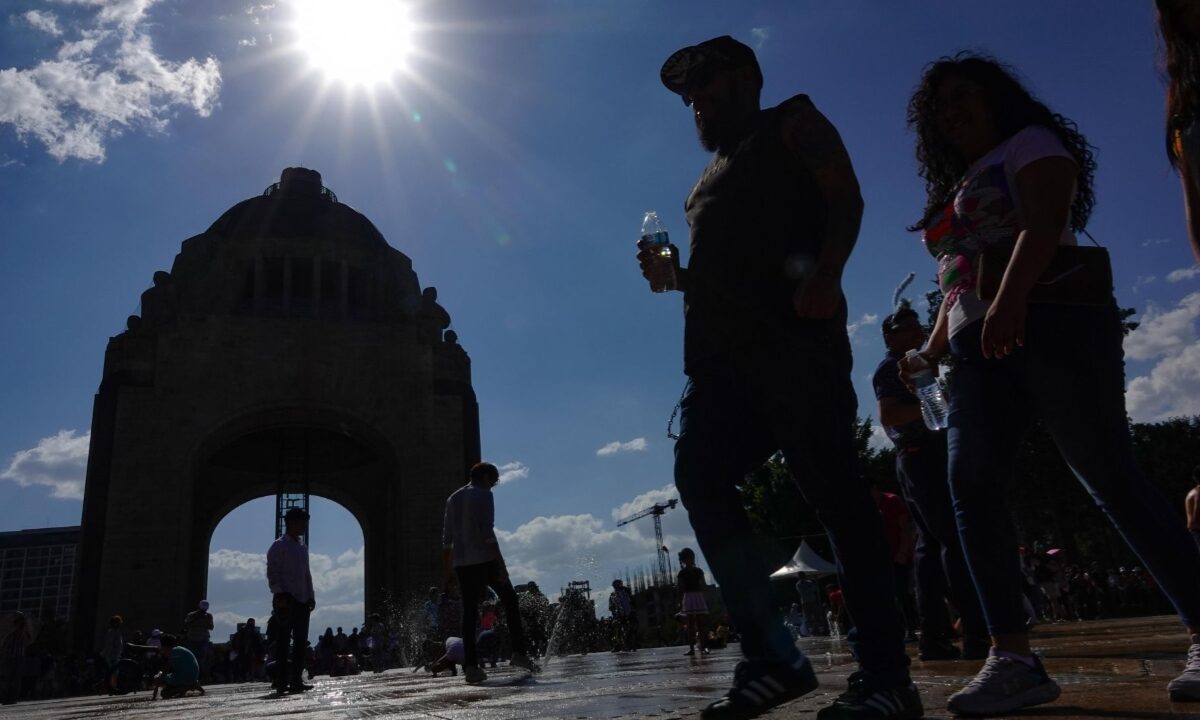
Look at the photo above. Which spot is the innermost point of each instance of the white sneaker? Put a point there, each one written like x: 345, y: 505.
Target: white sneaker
x: 1186, y: 687
x: 1002, y: 686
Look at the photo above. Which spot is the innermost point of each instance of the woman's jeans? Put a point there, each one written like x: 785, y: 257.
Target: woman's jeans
x: 1070, y: 373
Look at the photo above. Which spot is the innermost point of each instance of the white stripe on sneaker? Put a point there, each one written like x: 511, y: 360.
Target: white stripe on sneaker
x: 762, y: 689
x: 754, y: 697
x: 775, y: 684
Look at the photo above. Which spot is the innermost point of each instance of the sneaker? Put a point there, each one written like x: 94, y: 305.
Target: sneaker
x: 522, y: 660
x: 866, y: 697
x: 759, y: 686
x: 299, y: 687
x: 473, y: 674
x: 937, y: 649
x: 1002, y: 686
x: 1186, y: 687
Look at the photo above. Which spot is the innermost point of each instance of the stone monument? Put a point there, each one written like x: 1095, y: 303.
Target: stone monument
x: 289, y: 345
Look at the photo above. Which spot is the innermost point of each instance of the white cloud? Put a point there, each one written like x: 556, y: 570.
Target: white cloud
x: 513, y: 471
x: 236, y: 565
x: 759, y: 36
x: 1164, y: 332
x: 658, y: 496
x: 1182, y: 274
x: 879, y: 439
x: 638, y: 444
x: 248, y: 42
x: 1172, y: 388
x: 105, y: 79
x: 1142, y: 281
x: 1148, y: 242
x: 58, y: 462
x: 44, y: 21
x: 866, y: 320
x: 558, y: 549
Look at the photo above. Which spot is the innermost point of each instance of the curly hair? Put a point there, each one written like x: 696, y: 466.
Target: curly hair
x: 1181, y: 65
x: 1013, y: 108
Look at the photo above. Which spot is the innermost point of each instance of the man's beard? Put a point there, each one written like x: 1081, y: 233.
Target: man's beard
x: 717, y: 129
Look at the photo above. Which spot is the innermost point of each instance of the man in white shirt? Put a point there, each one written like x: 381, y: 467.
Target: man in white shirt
x: 293, y: 601
x: 473, y: 562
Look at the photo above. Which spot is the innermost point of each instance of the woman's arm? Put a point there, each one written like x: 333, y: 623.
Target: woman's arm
x: 1046, y: 188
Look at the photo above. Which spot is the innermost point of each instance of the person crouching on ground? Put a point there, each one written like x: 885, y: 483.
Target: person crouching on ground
x: 183, y: 671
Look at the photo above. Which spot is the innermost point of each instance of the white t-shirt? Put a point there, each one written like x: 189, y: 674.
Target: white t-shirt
x: 986, y: 210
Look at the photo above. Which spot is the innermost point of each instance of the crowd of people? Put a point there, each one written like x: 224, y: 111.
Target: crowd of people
x: 1027, y: 320
x: 1009, y: 186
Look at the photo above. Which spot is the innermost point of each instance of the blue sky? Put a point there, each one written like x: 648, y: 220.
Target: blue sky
x: 511, y: 160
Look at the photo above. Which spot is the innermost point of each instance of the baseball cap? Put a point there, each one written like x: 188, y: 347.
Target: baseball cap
x: 203, y: 605
x: 695, y: 64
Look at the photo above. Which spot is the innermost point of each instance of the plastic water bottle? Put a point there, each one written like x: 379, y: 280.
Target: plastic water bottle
x: 934, y: 409
x: 654, y: 237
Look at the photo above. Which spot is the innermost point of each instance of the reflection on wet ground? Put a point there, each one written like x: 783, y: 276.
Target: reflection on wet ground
x: 1115, y: 669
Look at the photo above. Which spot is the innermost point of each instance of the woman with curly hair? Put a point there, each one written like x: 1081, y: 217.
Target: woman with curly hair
x: 1179, y: 25
x: 1003, y: 170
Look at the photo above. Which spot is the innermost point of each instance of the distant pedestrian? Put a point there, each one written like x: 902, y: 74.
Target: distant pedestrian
x: 473, y: 562
x: 111, y: 652
x: 620, y: 607
x: 12, y: 653
x: 290, y: 580
x: 197, y: 635
x: 249, y: 646
x: 690, y: 585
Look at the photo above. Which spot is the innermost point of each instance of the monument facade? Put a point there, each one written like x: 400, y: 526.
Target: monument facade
x: 289, y: 346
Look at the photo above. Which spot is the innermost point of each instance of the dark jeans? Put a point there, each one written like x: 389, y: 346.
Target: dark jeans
x: 473, y: 580
x: 940, y: 566
x: 1069, y: 373
x: 291, y: 628
x: 730, y: 423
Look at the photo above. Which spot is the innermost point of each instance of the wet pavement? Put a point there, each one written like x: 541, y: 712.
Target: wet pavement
x: 1108, y: 669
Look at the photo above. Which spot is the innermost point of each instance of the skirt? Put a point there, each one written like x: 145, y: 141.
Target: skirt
x: 693, y: 604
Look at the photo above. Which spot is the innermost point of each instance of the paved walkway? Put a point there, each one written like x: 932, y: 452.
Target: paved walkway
x: 1112, y: 669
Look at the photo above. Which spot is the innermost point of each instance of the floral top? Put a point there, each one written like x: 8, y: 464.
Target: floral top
x: 985, y: 211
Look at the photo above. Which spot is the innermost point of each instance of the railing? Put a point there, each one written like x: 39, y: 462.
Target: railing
x: 325, y: 192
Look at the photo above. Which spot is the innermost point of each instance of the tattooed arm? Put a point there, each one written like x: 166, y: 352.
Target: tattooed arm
x: 816, y: 143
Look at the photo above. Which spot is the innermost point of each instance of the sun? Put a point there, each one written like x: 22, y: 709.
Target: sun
x: 357, y: 42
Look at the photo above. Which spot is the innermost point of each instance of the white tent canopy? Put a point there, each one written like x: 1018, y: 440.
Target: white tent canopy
x: 806, y: 560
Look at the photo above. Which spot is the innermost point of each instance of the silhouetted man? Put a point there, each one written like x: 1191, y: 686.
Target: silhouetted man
x: 293, y: 601
x: 773, y: 219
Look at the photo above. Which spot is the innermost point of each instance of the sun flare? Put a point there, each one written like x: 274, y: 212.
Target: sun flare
x: 357, y: 42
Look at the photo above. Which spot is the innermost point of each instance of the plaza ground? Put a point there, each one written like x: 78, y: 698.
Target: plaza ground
x: 1108, y: 669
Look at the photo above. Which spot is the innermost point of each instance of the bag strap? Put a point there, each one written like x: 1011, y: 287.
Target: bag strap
x: 1089, y: 237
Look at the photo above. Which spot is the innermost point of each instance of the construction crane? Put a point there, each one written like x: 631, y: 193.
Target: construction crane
x: 656, y: 511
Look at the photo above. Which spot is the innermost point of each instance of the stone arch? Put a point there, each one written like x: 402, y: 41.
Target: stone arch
x: 353, y: 464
